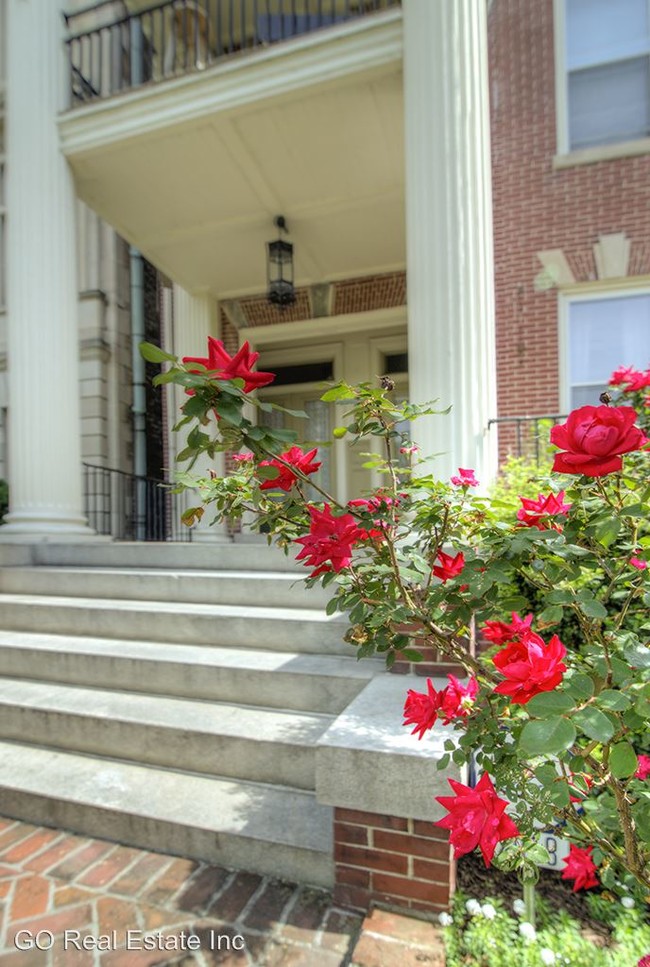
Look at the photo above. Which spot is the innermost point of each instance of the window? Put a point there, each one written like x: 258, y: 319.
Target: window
x: 607, y: 60
x: 601, y: 334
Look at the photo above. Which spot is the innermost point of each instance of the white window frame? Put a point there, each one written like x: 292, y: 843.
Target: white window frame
x: 592, y: 293
x: 565, y: 154
x: 3, y: 213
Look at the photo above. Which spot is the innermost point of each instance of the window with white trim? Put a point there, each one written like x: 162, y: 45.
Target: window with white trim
x: 607, y: 61
x: 602, y: 334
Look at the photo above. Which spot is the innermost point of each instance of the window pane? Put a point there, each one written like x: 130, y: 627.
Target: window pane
x: 605, y: 334
x: 599, y: 30
x: 609, y: 103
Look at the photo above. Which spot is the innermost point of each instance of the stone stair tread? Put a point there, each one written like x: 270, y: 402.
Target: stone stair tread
x: 190, y: 715
x: 239, y: 808
x: 207, y: 655
x: 315, y: 615
x: 289, y: 577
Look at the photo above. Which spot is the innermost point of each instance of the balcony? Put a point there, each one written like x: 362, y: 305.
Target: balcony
x: 189, y: 155
x: 116, y: 45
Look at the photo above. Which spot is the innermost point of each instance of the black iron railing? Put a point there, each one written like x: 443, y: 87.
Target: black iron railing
x: 525, y: 436
x: 113, y: 49
x: 130, y: 508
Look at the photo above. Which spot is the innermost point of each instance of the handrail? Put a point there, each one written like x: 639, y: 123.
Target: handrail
x: 168, y: 38
x: 125, y: 506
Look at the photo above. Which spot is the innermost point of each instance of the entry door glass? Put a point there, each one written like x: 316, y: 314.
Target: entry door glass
x: 316, y: 430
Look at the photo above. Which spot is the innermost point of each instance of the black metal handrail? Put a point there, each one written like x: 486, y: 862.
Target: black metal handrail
x: 132, y: 508
x: 525, y: 436
x: 110, y: 52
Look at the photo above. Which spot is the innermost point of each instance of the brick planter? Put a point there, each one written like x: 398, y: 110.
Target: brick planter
x: 404, y: 863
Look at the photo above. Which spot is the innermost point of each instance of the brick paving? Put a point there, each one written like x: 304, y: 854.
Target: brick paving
x: 100, y: 904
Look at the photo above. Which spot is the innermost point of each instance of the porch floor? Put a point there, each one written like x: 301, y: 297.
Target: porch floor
x: 52, y: 880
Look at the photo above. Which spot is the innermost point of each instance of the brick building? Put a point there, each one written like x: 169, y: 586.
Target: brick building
x: 499, y: 261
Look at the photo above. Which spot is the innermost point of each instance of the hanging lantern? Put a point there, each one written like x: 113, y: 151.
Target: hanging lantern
x: 280, y: 267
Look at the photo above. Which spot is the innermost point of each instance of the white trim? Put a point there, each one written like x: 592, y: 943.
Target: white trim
x: 363, y: 45
x: 561, y: 94
x: 283, y: 332
x: 602, y: 152
x: 588, y: 292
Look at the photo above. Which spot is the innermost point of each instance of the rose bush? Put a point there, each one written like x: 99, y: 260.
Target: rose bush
x: 557, y: 728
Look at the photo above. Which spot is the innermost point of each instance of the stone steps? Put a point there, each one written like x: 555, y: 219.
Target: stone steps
x: 274, y: 679
x: 172, y: 697
x: 266, y: 589
x: 229, y: 740
x: 243, y: 825
x: 283, y: 629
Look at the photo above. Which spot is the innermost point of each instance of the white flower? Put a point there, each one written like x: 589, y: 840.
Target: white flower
x: 519, y: 907
x: 628, y: 903
x: 473, y: 907
x: 527, y: 930
x: 445, y: 920
x: 488, y: 911
x: 547, y: 955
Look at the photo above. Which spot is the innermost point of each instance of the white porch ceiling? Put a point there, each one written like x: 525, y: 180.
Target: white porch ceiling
x: 198, y: 196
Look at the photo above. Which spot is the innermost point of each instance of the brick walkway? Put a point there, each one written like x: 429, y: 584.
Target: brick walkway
x: 74, y: 888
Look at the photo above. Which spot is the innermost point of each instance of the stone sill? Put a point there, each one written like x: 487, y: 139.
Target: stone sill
x: 369, y: 762
x: 606, y: 152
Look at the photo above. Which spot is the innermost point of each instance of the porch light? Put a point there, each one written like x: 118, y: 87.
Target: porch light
x: 280, y: 267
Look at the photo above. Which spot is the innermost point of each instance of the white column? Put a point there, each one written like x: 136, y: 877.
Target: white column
x: 43, y: 340
x: 195, y: 318
x: 450, y: 270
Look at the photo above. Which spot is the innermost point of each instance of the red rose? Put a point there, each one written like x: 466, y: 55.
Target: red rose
x: 328, y: 546
x: 476, y: 818
x: 643, y: 770
x: 580, y: 867
x: 221, y: 365
x: 303, y: 462
x: 499, y: 632
x: 457, y: 700
x: 533, y: 513
x: 449, y: 567
x: 594, y: 437
x: 421, y: 709
x: 530, y: 667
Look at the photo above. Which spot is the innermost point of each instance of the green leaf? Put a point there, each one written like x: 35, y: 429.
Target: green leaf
x: 591, y: 607
x: 638, y: 655
x: 337, y: 393
x: 559, y: 597
x: 547, y: 736
x: 549, y: 703
x: 613, y: 700
x: 339, y: 432
x: 579, y: 685
x: 411, y: 654
x: 538, y: 854
x: 623, y: 761
x: 154, y: 354
x: 594, y: 723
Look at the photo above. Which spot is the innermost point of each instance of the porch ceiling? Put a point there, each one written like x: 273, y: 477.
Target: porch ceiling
x: 198, y: 196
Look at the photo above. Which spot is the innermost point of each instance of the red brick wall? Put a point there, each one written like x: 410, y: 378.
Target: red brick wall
x: 538, y: 208
x: 386, y: 859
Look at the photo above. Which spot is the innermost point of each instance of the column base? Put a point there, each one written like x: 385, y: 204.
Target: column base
x: 32, y: 528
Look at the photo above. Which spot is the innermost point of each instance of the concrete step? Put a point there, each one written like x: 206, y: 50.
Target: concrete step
x: 242, y: 825
x: 235, y: 741
x: 274, y: 679
x: 224, y: 556
x: 284, y: 629
x: 281, y: 589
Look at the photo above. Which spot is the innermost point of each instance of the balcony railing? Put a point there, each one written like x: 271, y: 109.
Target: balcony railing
x: 525, y: 436
x: 115, y: 45
x: 130, y: 508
